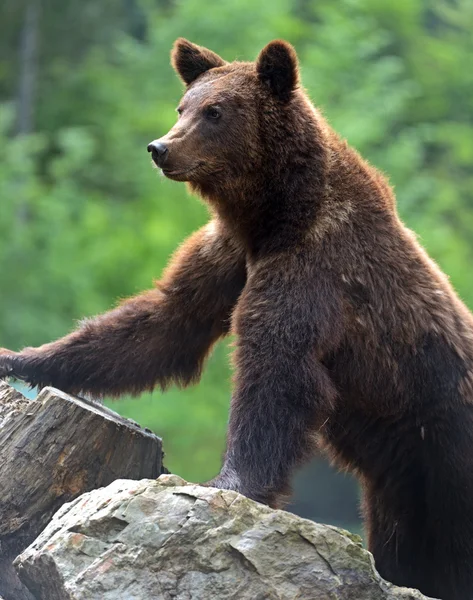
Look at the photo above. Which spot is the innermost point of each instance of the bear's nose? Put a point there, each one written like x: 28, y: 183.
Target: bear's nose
x: 159, y: 152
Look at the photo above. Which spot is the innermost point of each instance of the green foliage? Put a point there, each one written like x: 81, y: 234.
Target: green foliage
x: 85, y: 220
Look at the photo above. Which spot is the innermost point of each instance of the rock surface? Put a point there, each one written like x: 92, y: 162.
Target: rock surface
x: 168, y: 540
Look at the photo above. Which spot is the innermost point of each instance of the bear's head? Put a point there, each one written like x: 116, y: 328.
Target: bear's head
x: 239, y: 122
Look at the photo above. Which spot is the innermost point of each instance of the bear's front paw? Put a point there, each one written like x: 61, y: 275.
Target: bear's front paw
x: 230, y: 480
x: 6, y: 363
x: 226, y: 482
x: 13, y: 364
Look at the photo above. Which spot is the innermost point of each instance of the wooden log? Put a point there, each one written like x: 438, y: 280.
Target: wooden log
x: 53, y: 449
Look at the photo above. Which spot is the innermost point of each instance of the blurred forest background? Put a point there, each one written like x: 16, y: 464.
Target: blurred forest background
x: 85, y: 220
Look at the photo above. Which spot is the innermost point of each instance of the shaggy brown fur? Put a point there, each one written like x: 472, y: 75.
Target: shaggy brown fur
x: 347, y: 333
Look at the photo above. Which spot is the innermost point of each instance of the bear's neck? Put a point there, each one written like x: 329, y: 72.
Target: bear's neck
x: 274, y: 210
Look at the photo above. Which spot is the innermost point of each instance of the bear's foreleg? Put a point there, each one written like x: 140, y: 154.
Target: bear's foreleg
x: 156, y: 338
x: 284, y: 320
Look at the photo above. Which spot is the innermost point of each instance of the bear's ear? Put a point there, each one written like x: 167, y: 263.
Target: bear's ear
x: 277, y: 66
x: 189, y: 60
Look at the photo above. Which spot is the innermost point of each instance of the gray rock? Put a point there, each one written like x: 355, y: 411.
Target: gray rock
x: 168, y: 540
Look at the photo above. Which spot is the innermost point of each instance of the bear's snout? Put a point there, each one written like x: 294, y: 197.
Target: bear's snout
x: 159, y: 152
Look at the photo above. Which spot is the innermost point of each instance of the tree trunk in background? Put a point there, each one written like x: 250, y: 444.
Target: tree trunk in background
x: 53, y: 449
x: 28, y: 68
x: 27, y: 86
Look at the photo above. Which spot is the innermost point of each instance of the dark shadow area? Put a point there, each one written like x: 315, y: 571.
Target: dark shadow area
x: 324, y: 495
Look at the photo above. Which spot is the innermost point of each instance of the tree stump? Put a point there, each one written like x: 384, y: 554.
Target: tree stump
x: 53, y: 449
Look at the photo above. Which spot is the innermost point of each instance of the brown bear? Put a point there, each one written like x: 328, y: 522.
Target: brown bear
x: 348, y: 336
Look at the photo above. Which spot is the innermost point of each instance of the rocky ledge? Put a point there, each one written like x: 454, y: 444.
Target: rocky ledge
x: 166, y: 539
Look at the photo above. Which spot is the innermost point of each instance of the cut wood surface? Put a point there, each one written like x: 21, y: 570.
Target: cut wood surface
x: 53, y: 449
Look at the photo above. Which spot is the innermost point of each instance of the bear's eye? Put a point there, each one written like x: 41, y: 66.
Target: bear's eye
x: 179, y: 110
x: 213, y: 113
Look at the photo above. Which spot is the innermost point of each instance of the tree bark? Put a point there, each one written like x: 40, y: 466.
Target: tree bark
x: 53, y: 449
